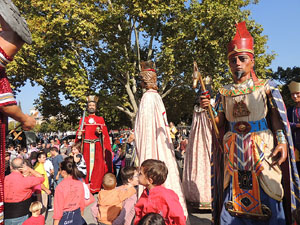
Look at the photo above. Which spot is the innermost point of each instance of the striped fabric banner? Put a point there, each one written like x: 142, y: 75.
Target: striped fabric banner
x: 294, y: 177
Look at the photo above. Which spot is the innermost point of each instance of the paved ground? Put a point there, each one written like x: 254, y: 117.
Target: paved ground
x: 196, y: 217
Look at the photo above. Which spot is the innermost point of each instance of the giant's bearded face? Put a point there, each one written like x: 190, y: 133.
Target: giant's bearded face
x: 91, y: 107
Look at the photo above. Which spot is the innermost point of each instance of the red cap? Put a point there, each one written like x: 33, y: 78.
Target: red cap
x: 242, y: 41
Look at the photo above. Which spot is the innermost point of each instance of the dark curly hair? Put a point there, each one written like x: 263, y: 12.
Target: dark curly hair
x: 156, y: 170
x: 152, y: 219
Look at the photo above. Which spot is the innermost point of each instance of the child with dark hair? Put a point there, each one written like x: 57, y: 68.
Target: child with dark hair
x: 129, y: 175
x: 88, y: 197
x: 79, y: 160
x: 69, y: 202
x: 110, y: 199
x: 156, y: 198
x: 152, y: 219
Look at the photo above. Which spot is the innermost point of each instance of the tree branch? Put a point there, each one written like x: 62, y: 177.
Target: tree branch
x: 151, y: 42
x: 164, y: 94
x: 120, y: 29
x: 137, y: 43
x: 131, y: 97
x: 125, y: 110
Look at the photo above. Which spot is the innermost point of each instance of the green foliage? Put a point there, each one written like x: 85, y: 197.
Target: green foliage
x: 12, y: 125
x: 55, y: 125
x: 285, y: 76
x: 87, y: 47
x: 178, y: 101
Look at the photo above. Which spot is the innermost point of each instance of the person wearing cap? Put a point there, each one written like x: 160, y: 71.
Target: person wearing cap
x: 259, y: 168
x: 294, y: 119
x: 152, y: 132
x: 94, y: 136
x: 13, y: 33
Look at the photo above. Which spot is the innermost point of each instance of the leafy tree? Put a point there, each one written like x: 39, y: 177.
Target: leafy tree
x: 82, y: 47
x: 12, y: 125
x: 54, y: 125
x: 285, y: 76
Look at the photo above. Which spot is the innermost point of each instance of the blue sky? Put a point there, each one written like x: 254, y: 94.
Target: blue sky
x: 280, y: 20
x: 281, y: 23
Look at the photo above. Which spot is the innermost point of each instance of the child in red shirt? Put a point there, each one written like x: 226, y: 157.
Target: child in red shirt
x: 155, y: 197
x: 36, y: 218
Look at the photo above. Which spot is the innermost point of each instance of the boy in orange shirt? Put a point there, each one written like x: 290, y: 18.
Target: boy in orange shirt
x: 110, y: 199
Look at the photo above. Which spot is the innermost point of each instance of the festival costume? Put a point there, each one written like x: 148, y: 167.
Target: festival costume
x: 253, y: 188
x: 294, y: 119
x: 162, y: 201
x: 6, y: 98
x: 153, y: 140
x: 197, y: 171
x: 13, y: 18
x: 96, y: 165
x: 247, y: 156
x: 152, y: 133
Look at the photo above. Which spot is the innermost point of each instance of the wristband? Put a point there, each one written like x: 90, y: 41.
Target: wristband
x: 206, y: 93
x: 214, y: 111
x: 280, y: 137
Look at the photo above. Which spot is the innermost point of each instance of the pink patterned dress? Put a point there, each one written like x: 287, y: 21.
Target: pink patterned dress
x: 153, y: 140
x: 197, y: 168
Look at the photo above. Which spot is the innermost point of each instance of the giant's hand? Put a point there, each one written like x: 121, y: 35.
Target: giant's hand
x: 79, y: 133
x: 28, y: 122
x: 279, y: 154
x: 98, y: 130
x: 204, y: 101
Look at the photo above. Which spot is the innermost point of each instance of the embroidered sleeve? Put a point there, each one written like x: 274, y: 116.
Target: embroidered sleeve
x: 6, y: 95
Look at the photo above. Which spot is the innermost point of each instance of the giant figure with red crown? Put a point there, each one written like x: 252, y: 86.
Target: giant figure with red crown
x: 96, y: 145
x: 13, y: 34
x: 260, y: 180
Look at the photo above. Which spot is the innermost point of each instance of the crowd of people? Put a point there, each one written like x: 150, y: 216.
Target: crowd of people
x: 48, y: 170
x: 243, y: 154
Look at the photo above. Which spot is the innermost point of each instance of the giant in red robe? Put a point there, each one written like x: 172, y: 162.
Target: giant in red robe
x: 6, y: 98
x: 96, y: 165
